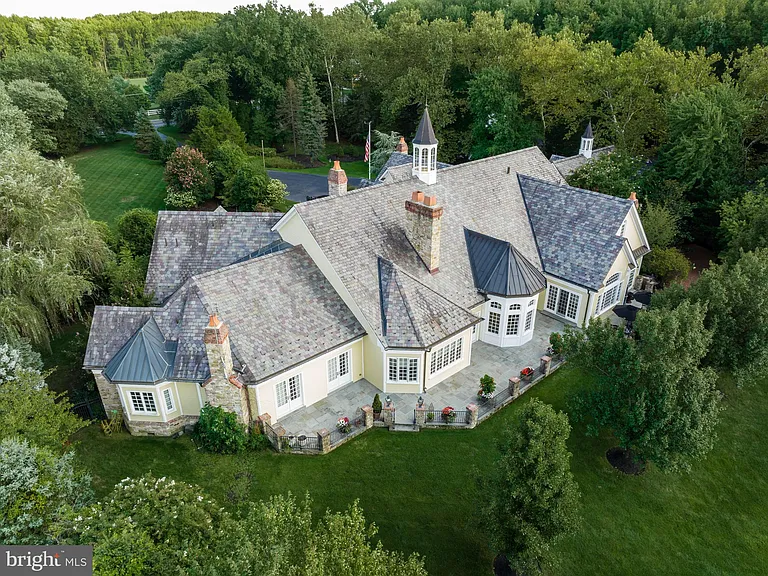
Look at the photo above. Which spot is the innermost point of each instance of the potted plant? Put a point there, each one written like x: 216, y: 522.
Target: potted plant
x: 376, y: 407
x: 556, y: 344
x: 487, y: 388
x: 343, y: 425
x: 449, y: 414
x: 526, y: 374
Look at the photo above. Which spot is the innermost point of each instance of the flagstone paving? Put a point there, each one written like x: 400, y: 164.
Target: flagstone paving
x: 456, y: 391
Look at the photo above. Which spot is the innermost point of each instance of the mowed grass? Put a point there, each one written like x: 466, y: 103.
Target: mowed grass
x: 116, y: 178
x: 356, y: 169
x: 419, y: 490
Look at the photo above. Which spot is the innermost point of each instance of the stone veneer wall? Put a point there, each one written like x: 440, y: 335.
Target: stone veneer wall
x: 229, y: 397
x: 110, y: 396
x: 141, y: 428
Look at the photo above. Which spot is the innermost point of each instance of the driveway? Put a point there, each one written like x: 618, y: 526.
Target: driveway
x: 302, y: 185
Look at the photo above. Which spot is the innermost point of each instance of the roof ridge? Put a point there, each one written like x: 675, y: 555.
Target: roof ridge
x: 407, y: 304
x: 228, y: 267
x: 206, y: 213
x: 576, y: 188
x: 594, y: 151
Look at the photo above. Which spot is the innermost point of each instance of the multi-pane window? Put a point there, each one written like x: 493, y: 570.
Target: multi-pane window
x: 143, y: 402
x: 562, y: 302
x: 494, y: 318
x: 424, y: 159
x: 623, y: 228
x: 528, y: 320
x: 445, y: 356
x: 631, y: 280
x: 403, y: 370
x: 168, y: 399
x: 513, y: 324
x: 288, y: 393
x: 612, y: 292
x: 339, y: 367
x: 433, y: 161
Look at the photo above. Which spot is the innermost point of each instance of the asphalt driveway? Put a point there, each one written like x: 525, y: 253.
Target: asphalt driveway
x: 302, y: 185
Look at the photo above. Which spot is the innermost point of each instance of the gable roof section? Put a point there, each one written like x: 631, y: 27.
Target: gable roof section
x: 354, y: 229
x: 397, y: 160
x: 188, y: 243
x: 499, y: 268
x: 412, y: 315
x: 575, y: 229
x: 146, y: 357
x: 567, y: 165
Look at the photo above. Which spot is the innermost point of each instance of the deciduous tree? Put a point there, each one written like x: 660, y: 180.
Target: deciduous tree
x: 188, y: 179
x: 43, y: 106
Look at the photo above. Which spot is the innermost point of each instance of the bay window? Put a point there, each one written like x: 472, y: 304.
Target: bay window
x: 403, y: 370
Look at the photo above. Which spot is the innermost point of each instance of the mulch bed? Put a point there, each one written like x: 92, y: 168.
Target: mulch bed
x: 624, y: 462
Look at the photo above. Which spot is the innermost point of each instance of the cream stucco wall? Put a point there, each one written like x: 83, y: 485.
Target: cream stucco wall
x: 374, y: 361
x: 185, y: 398
x: 620, y: 265
x: 314, y: 379
x: 466, y: 347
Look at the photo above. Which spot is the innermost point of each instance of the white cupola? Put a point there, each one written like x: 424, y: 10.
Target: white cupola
x: 425, y: 151
x: 586, y: 142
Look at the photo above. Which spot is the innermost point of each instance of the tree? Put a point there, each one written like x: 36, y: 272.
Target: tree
x: 51, y: 250
x: 660, y: 225
x: 383, y: 146
x: 288, y: 112
x: 15, y: 127
x: 669, y: 264
x: 30, y: 411
x: 188, y: 179
x: 651, y: 392
x: 311, y: 125
x: 214, y: 127
x: 38, y: 490
x: 145, y: 133
x: 136, y: 229
x: 167, y: 150
x: 251, y: 189
x: 744, y: 222
x: 498, y: 124
x: 531, y: 500
x: 124, y: 278
x: 43, y: 106
x: 613, y: 174
x: 225, y: 162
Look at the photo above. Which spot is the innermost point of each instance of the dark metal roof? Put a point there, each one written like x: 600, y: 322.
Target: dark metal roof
x: 146, y: 357
x: 640, y: 251
x: 425, y: 135
x: 588, y: 131
x: 499, y: 268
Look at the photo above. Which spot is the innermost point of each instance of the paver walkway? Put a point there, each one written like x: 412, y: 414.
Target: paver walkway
x: 456, y: 391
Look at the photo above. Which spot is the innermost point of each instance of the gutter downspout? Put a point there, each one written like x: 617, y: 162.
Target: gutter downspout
x: 586, y: 312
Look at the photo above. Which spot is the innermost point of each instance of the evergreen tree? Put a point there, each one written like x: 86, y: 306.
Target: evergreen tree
x: 531, y: 500
x: 383, y: 146
x: 145, y: 133
x: 312, y: 129
x: 288, y: 112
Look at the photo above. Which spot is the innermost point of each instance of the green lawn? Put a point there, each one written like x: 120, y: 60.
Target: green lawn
x: 356, y: 169
x: 173, y: 132
x: 418, y: 488
x: 116, y: 178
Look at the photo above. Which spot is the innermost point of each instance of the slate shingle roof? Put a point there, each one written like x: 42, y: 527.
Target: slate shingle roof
x: 499, y: 268
x: 575, y: 229
x: 396, y: 160
x: 413, y: 315
x: 567, y: 165
x: 355, y: 229
x: 188, y: 243
x: 279, y: 307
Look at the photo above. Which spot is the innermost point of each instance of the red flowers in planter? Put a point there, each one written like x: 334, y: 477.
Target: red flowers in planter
x: 526, y: 372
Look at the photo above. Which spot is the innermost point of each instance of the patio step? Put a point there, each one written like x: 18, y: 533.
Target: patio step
x: 404, y: 428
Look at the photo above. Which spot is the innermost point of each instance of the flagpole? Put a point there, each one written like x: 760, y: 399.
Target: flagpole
x: 370, y: 149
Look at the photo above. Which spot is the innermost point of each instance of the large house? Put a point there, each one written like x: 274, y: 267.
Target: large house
x: 393, y: 282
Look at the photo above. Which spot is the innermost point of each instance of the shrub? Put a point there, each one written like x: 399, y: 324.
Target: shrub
x: 376, y: 404
x: 220, y: 431
x: 189, y: 181
x: 258, y: 442
x: 487, y: 386
x: 668, y: 264
x: 169, y: 147
x: 156, y: 147
x: 255, y: 150
x: 136, y: 229
x: 226, y: 160
x: 283, y: 163
x: 556, y: 341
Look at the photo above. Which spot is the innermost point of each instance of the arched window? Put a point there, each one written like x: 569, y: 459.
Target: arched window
x: 496, y: 305
x: 494, y: 318
x: 433, y: 156
x: 611, y: 293
x: 514, y: 306
x: 424, y: 159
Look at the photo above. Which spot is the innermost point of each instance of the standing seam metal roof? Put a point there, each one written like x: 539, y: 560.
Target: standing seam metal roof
x: 146, y: 357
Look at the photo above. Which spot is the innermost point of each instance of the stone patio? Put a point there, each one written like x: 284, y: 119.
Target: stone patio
x: 456, y: 391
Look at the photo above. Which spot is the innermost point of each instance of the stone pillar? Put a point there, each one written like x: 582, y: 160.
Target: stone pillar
x: 337, y: 180
x: 472, y: 409
x: 280, y: 433
x: 421, y: 416
x: 264, y: 419
x: 110, y: 395
x: 424, y: 228
x: 324, y: 438
x: 388, y: 414
x: 514, y: 387
x: 546, y: 365
x: 223, y: 387
x: 368, y: 416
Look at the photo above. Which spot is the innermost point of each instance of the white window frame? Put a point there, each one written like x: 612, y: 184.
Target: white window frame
x: 623, y: 228
x: 334, y: 366
x: 553, y: 302
x: 407, y: 365
x: 528, y: 321
x: 446, y: 356
x: 611, y: 293
x: 297, y: 379
x: 142, y: 398
x: 167, y: 395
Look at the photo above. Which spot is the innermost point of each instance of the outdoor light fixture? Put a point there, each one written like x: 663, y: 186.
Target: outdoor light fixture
x: 421, y: 401
x: 388, y: 400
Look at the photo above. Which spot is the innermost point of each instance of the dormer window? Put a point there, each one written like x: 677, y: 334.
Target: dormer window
x: 623, y: 228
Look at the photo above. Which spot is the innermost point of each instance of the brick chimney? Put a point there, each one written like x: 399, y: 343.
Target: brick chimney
x: 402, y: 146
x: 634, y: 199
x: 423, y: 228
x: 337, y: 180
x: 223, y: 388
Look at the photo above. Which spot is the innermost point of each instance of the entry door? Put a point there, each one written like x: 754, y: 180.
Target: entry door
x: 289, y: 395
x: 339, y: 370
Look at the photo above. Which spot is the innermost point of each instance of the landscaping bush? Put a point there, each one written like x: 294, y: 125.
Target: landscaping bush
x: 258, y: 442
x: 376, y: 404
x: 255, y: 150
x: 487, y: 387
x: 556, y: 342
x: 136, y: 229
x: 669, y: 264
x: 220, y: 431
x: 188, y: 178
x: 169, y: 147
x: 282, y: 163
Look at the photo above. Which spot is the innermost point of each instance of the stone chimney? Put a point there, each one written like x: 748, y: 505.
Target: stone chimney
x: 402, y: 146
x: 424, y: 227
x: 223, y: 388
x: 634, y: 199
x: 337, y: 180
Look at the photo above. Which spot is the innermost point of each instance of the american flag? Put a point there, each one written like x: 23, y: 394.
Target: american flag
x: 368, y: 147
